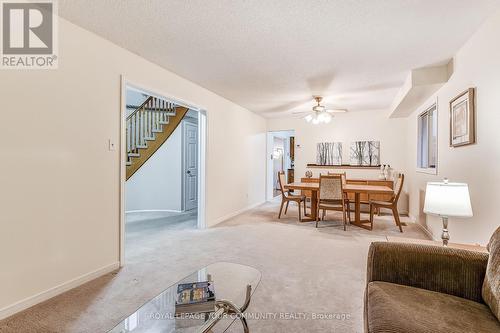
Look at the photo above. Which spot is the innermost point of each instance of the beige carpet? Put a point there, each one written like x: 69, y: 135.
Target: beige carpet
x: 304, y: 270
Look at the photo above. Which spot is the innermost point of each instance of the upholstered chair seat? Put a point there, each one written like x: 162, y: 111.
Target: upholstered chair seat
x: 397, y: 308
x: 295, y: 196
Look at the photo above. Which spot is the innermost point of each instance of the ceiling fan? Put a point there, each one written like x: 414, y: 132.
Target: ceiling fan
x: 319, y: 113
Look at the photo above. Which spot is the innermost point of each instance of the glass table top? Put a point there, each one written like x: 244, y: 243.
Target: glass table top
x: 158, y: 315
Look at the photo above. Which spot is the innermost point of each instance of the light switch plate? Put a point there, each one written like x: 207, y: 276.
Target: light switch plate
x: 111, y: 145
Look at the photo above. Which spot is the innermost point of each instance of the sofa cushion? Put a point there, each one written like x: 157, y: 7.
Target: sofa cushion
x: 491, y: 284
x: 396, y: 308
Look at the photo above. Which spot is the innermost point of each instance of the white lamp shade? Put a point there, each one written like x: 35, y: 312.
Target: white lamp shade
x: 448, y: 199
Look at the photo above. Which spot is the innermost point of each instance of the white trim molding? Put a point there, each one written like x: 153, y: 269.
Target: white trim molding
x: 202, y: 154
x: 427, y: 232
x: 153, y: 211
x: 57, y: 290
x: 433, y: 106
x: 412, y: 218
x: 429, y: 171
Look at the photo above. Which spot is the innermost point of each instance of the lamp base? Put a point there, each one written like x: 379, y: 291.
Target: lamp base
x: 445, y: 236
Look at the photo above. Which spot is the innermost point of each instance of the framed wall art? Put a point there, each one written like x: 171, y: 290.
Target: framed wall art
x: 329, y: 153
x: 462, y: 119
x: 365, y: 153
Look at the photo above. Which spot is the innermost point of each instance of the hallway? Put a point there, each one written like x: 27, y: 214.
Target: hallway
x: 142, y: 230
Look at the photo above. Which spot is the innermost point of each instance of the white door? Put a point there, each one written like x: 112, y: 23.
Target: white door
x: 190, y: 147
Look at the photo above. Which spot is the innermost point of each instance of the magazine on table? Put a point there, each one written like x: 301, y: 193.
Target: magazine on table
x: 195, y: 297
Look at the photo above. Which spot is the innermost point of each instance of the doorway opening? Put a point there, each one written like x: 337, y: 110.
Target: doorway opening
x: 163, y: 163
x: 280, y: 157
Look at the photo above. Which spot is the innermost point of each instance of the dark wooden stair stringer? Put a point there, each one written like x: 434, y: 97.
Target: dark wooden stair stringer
x: 153, y: 146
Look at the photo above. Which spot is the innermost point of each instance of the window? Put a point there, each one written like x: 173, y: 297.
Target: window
x: 427, y: 140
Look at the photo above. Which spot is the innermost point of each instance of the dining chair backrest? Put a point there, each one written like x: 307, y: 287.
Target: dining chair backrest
x: 282, y: 182
x: 398, y: 187
x: 342, y: 174
x: 330, y: 187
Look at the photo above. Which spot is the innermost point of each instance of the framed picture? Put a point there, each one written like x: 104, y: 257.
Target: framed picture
x: 462, y: 119
x: 329, y: 153
x: 365, y: 153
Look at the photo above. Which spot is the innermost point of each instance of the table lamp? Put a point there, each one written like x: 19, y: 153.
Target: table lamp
x: 447, y: 200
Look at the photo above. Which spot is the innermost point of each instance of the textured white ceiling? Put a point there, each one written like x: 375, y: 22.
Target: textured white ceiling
x: 270, y: 56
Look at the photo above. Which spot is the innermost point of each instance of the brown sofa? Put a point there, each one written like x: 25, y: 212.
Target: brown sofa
x: 429, y: 289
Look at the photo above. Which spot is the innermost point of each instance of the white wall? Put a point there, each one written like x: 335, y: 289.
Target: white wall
x: 477, y: 64
x: 157, y: 185
x: 59, y: 193
x: 345, y: 128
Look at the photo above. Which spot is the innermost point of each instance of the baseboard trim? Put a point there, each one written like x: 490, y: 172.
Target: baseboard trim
x: 238, y: 212
x: 153, y: 211
x: 427, y: 232
x: 57, y: 290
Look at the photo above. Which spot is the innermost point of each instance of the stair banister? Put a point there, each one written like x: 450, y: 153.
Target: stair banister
x: 147, y: 128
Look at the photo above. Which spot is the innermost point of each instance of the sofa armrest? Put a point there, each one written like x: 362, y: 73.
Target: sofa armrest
x: 447, y: 270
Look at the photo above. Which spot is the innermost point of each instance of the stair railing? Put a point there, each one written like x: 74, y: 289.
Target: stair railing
x: 145, y: 121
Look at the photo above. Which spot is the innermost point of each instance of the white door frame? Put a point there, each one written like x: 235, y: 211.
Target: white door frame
x: 269, y: 162
x: 202, y: 155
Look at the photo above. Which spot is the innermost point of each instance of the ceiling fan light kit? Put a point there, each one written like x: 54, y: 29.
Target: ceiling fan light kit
x: 320, y: 114
x: 318, y: 118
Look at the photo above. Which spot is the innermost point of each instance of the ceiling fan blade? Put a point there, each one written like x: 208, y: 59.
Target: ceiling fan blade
x: 336, y: 110
x: 301, y: 112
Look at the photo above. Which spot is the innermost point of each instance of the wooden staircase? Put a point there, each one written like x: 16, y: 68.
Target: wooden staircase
x: 147, y: 128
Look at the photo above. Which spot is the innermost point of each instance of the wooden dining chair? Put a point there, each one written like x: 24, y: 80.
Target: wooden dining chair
x: 346, y: 197
x: 331, y: 196
x: 392, y: 204
x: 338, y: 173
x: 286, y: 196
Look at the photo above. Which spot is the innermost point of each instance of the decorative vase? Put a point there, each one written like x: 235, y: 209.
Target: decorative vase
x: 381, y: 175
x: 309, y: 174
x: 390, y: 173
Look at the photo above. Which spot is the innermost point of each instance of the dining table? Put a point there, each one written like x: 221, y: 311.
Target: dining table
x: 356, y: 189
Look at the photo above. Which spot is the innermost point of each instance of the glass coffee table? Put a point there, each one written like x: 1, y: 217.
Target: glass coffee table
x: 234, y: 286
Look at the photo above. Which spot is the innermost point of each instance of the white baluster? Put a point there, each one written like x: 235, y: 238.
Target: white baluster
x: 161, y: 110
x: 136, y: 134
x: 147, y: 122
x: 127, y: 135
x: 140, y: 128
x: 157, y: 114
x: 152, y: 115
x: 153, y: 107
x: 136, y: 128
x: 164, y: 113
x: 129, y: 132
x: 143, y: 127
x: 155, y: 122
x: 132, y: 133
x: 148, y: 117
